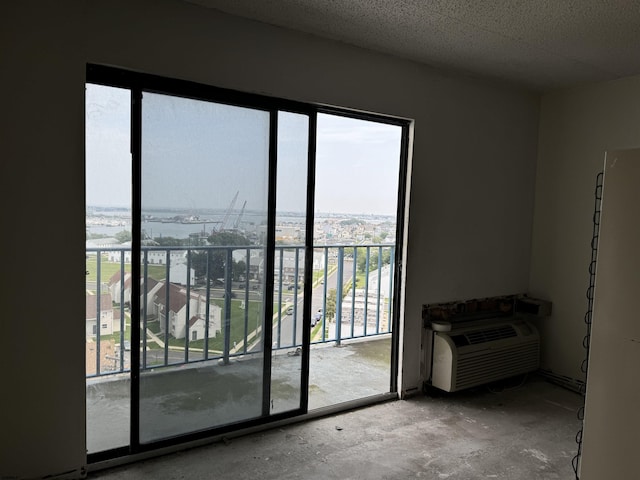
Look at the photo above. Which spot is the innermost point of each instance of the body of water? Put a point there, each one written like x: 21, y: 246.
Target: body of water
x: 112, y: 222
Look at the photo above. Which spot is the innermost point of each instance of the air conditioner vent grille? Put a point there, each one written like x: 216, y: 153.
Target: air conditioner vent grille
x: 491, y: 334
x: 496, y: 364
x: 469, y: 358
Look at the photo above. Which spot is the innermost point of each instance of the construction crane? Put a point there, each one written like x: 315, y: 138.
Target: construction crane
x: 237, y: 224
x: 225, y: 220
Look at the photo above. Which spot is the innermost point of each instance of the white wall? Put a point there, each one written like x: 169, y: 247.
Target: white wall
x: 471, y: 194
x: 577, y: 127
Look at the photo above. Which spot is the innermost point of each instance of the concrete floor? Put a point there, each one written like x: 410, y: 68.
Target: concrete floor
x: 189, y: 398
x: 509, y: 431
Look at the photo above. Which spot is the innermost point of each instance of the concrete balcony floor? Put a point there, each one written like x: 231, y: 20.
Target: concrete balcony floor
x: 192, y: 397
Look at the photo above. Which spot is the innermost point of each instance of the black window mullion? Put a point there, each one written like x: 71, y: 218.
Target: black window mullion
x: 308, y: 261
x: 136, y: 242
x: 267, y: 330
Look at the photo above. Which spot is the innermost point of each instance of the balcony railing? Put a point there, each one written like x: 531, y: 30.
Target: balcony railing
x: 215, y: 301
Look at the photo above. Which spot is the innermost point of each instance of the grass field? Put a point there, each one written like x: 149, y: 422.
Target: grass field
x: 108, y: 269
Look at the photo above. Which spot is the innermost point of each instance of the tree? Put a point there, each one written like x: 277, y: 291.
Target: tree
x: 351, y: 221
x: 330, y: 311
x: 93, y: 236
x: 171, y: 241
x: 218, y: 258
x: 373, y: 258
x: 228, y: 239
x: 380, y: 237
x: 362, y: 259
x: 123, y: 236
x: 215, y: 267
x: 239, y: 270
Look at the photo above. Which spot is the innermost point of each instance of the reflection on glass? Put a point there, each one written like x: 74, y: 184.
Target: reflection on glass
x: 204, y: 216
x: 291, y: 198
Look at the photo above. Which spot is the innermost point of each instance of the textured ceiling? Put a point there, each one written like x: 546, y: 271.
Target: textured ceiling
x: 540, y: 44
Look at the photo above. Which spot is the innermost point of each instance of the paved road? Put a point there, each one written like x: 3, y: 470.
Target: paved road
x: 317, y: 301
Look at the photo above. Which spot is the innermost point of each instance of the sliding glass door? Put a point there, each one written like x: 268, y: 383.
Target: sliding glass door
x: 209, y: 283
x: 288, y: 367
x: 203, y: 357
x: 356, y: 202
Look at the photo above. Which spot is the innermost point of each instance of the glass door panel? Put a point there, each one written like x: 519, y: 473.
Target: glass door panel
x: 108, y: 267
x: 204, y: 202
x: 356, y: 199
x: 289, y: 271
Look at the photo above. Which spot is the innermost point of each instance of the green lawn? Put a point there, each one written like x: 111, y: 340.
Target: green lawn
x: 319, y: 274
x: 154, y: 326
x: 108, y: 269
x: 116, y: 336
x: 157, y: 272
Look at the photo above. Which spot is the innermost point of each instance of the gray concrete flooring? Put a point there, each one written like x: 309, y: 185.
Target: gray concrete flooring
x: 510, y: 431
x: 188, y: 398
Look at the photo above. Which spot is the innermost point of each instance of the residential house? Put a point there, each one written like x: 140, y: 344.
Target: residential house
x: 120, y: 290
x: 292, y: 270
x: 123, y: 254
x: 178, y: 308
x: 159, y: 257
x: 104, y: 306
x: 178, y: 273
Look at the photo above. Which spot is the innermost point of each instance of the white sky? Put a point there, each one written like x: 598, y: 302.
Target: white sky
x: 199, y: 154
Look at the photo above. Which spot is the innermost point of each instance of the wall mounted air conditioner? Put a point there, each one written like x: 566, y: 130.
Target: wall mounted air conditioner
x: 475, y: 355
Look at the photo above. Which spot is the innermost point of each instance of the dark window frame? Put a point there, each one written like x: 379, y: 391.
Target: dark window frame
x: 138, y: 83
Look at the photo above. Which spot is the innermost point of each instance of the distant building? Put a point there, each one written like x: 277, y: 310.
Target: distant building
x: 289, y: 233
x: 159, y: 257
x: 100, y: 314
x: 122, y: 290
x: 108, y: 242
x: 177, y: 313
x: 178, y: 274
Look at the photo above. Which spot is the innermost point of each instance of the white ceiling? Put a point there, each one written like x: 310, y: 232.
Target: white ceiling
x: 540, y: 44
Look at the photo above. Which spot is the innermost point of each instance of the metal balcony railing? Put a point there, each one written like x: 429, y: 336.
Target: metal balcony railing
x: 207, y: 302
